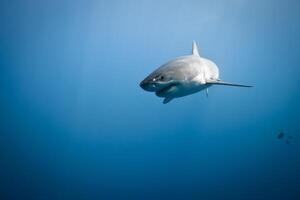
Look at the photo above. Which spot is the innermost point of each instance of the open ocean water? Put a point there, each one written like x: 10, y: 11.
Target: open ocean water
x: 74, y: 123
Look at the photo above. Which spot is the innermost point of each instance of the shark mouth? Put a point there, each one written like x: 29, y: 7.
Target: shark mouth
x: 162, y: 92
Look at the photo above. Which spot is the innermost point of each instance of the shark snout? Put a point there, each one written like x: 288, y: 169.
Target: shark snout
x: 148, y: 85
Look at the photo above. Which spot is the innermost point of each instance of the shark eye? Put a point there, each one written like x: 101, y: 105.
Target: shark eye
x: 162, y: 78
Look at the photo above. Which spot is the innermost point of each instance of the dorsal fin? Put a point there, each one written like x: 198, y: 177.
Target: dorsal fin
x: 195, y: 49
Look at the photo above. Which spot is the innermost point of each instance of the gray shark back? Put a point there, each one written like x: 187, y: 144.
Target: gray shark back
x: 186, y: 68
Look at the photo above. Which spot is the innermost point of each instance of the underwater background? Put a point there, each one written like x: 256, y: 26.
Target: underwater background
x: 74, y: 123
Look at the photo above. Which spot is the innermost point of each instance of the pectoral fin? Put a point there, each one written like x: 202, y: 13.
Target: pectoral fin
x: 218, y: 82
x: 167, y: 100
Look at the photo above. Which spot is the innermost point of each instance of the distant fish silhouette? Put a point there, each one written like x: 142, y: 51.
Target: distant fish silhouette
x: 280, y: 135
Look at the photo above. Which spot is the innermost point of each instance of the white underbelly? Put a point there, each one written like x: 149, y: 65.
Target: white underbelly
x: 187, y: 88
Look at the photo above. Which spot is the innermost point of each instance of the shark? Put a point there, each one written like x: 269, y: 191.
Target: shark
x: 184, y: 75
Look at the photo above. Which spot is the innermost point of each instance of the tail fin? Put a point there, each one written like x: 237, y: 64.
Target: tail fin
x: 217, y: 82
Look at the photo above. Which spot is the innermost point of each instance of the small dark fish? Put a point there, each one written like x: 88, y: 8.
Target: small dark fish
x: 280, y: 135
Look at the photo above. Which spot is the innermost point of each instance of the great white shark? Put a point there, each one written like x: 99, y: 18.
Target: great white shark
x: 183, y: 76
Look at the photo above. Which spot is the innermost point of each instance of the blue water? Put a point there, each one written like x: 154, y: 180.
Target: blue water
x: 74, y: 123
